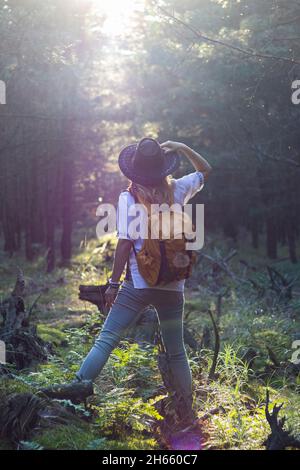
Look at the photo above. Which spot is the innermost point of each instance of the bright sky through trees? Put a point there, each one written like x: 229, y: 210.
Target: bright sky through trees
x: 118, y: 14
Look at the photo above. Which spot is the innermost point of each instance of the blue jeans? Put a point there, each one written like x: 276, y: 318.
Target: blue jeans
x: 124, y: 313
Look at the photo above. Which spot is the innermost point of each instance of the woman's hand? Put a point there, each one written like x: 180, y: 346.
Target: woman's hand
x: 110, y: 295
x: 198, y: 162
x: 171, y: 146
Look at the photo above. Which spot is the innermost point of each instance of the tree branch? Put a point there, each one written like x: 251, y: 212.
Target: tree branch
x: 218, y: 42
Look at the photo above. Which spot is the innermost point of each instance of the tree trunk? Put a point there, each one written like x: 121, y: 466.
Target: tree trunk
x: 271, y: 238
x: 255, y: 233
x: 291, y: 238
x: 67, y: 211
x: 50, y: 226
x: 8, y: 232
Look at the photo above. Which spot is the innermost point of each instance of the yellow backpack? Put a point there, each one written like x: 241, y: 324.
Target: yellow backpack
x: 162, y: 260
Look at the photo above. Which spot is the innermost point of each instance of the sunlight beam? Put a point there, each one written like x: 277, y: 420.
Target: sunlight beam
x: 118, y: 14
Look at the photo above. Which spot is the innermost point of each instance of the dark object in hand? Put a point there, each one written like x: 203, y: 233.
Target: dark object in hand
x: 94, y: 295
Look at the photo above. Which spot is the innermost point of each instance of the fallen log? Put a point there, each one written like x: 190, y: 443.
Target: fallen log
x: 75, y: 391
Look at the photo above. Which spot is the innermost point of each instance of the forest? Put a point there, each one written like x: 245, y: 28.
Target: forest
x: 79, y: 80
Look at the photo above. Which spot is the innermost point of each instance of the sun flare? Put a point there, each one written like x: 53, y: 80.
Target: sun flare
x: 118, y: 14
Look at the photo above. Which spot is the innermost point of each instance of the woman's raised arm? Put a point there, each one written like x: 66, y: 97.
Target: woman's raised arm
x: 198, y: 162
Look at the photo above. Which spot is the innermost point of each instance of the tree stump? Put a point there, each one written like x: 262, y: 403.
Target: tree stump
x: 23, y: 346
x: 279, y: 439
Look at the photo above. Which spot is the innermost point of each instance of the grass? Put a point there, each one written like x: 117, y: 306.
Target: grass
x: 123, y: 408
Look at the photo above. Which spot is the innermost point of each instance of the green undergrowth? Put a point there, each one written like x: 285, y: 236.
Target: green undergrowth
x: 121, y: 413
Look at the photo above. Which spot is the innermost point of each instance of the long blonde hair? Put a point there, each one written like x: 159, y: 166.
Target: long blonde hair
x: 147, y: 195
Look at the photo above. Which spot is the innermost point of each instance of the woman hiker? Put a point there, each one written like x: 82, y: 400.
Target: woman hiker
x: 148, y: 165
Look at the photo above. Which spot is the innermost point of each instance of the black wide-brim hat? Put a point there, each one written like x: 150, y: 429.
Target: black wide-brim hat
x: 146, y: 163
